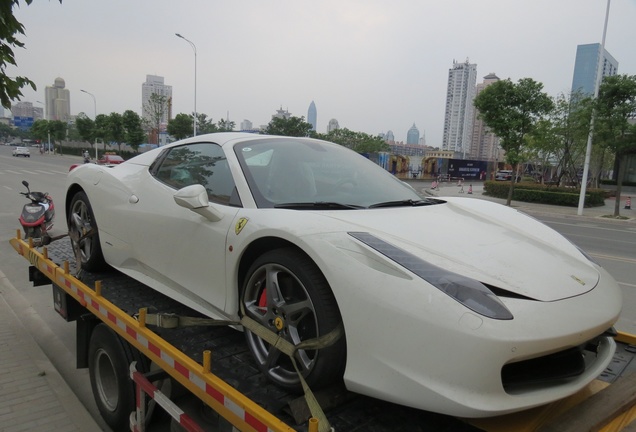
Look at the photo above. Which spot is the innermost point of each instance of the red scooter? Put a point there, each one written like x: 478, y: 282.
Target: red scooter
x: 37, y: 216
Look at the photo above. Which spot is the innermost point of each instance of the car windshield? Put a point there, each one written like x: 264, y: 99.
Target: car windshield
x: 303, y: 173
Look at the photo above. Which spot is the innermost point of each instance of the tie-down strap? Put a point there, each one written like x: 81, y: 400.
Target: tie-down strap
x: 171, y: 321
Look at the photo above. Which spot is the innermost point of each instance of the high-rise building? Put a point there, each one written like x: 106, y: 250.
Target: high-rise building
x: 459, y: 107
x: 281, y: 113
x: 413, y: 135
x: 155, y: 85
x: 389, y: 137
x: 485, y: 144
x: 58, y: 101
x: 24, y: 114
x: 246, y: 125
x: 312, y: 115
x: 586, y: 67
x: 333, y: 125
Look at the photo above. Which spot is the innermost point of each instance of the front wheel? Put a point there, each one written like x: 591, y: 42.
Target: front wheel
x: 84, y: 233
x: 286, y: 292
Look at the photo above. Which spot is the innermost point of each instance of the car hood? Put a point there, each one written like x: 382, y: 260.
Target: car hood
x: 494, y: 244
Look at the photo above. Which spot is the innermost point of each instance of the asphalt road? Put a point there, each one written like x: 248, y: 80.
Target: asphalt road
x: 611, y: 244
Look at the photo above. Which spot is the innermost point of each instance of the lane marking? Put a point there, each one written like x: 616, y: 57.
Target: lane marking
x: 614, y: 258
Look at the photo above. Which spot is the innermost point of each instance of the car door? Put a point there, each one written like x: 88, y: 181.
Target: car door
x: 181, y: 249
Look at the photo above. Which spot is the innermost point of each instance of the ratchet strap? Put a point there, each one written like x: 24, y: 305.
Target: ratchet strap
x: 172, y: 321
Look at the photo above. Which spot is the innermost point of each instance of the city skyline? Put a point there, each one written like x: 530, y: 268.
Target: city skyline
x: 371, y: 65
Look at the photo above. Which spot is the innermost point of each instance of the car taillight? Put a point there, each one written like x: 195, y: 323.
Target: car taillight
x: 73, y: 167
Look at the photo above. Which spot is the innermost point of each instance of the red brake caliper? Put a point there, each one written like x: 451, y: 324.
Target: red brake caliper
x: 262, y: 300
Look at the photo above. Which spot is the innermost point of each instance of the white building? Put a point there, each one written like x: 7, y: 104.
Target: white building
x: 485, y: 144
x: 58, y: 101
x: 155, y: 85
x: 459, y: 107
x: 332, y: 125
x: 246, y: 125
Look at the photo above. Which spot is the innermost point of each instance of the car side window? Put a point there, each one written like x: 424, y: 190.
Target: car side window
x: 202, y: 163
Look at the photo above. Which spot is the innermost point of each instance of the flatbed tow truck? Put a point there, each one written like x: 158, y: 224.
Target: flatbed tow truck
x: 204, y: 378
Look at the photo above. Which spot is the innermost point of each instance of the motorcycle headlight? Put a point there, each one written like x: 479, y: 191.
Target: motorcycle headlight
x: 471, y: 293
x: 33, y: 209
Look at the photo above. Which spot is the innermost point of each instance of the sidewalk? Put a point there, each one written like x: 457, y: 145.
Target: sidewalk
x: 33, y: 395
x: 451, y: 189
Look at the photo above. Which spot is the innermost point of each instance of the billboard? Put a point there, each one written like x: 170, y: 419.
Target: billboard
x: 467, y: 169
x: 23, y: 123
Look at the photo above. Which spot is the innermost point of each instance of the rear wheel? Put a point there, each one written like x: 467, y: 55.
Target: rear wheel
x: 34, y: 232
x: 84, y: 233
x: 286, y: 292
x: 109, y: 357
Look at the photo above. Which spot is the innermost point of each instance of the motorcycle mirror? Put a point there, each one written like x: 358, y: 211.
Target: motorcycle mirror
x: 25, y: 183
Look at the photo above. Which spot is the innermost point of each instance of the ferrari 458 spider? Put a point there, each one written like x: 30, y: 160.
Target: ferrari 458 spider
x: 458, y: 305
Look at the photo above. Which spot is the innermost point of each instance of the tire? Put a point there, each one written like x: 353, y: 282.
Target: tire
x: 33, y: 232
x: 109, y: 358
x: 81, y: 220
x: 304, y: 307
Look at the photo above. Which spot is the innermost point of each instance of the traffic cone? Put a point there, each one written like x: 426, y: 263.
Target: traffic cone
x: 470, y: 190
x: 628, y: 203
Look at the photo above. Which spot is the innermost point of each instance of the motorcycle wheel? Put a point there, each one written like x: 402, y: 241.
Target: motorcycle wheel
x: 33, y: 232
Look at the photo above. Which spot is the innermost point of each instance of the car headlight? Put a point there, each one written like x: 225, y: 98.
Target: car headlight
x: 471, y: 293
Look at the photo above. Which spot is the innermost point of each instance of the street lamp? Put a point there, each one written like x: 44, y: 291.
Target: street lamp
x: 195, y: 81
x: 95, y: 108
x: 597, y: 84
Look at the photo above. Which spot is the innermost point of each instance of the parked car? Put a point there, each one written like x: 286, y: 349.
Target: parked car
x: 110, y: 159
x: 505, y: 175
x: 420, y: 298
x: 22, y: 151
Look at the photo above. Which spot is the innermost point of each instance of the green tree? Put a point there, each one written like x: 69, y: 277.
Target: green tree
x: 101, y: 127
x: 614, y: 123
x: 225, y: 125
x: 512, y: 111
x: 292, y: 126
x: 115, y: 129
x: 156, y: 107
x: 5, y: 132
x: 86, y: 128
x: 58, y: 131
x: 357, y: 141
x: 10, y: 30
x: 561, y: 136
x: 40, y: 130
x: 205, y: 125
x: 181, y: 126
x: 55, y: 129
x: 133, y: 130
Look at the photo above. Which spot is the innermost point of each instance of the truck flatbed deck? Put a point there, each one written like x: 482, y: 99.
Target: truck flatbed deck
x: 252, y: 395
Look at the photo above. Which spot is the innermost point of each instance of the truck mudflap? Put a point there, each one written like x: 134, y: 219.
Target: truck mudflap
x: 233, y: 387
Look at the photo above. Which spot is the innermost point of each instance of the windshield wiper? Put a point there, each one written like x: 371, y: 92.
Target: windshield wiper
x: 318, y: 205
x: 403, y: 203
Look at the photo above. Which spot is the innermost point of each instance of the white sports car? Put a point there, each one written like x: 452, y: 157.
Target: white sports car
x: 458, y: 305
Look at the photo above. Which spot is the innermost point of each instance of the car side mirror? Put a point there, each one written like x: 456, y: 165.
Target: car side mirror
x: 195, y: 198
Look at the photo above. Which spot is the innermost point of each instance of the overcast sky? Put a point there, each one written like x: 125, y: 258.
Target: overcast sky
x: 373, y: 65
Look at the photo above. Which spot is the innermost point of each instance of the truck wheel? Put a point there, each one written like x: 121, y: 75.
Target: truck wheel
x: 109, y: 357
x: 286, y: 292
x: 81, y: 221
